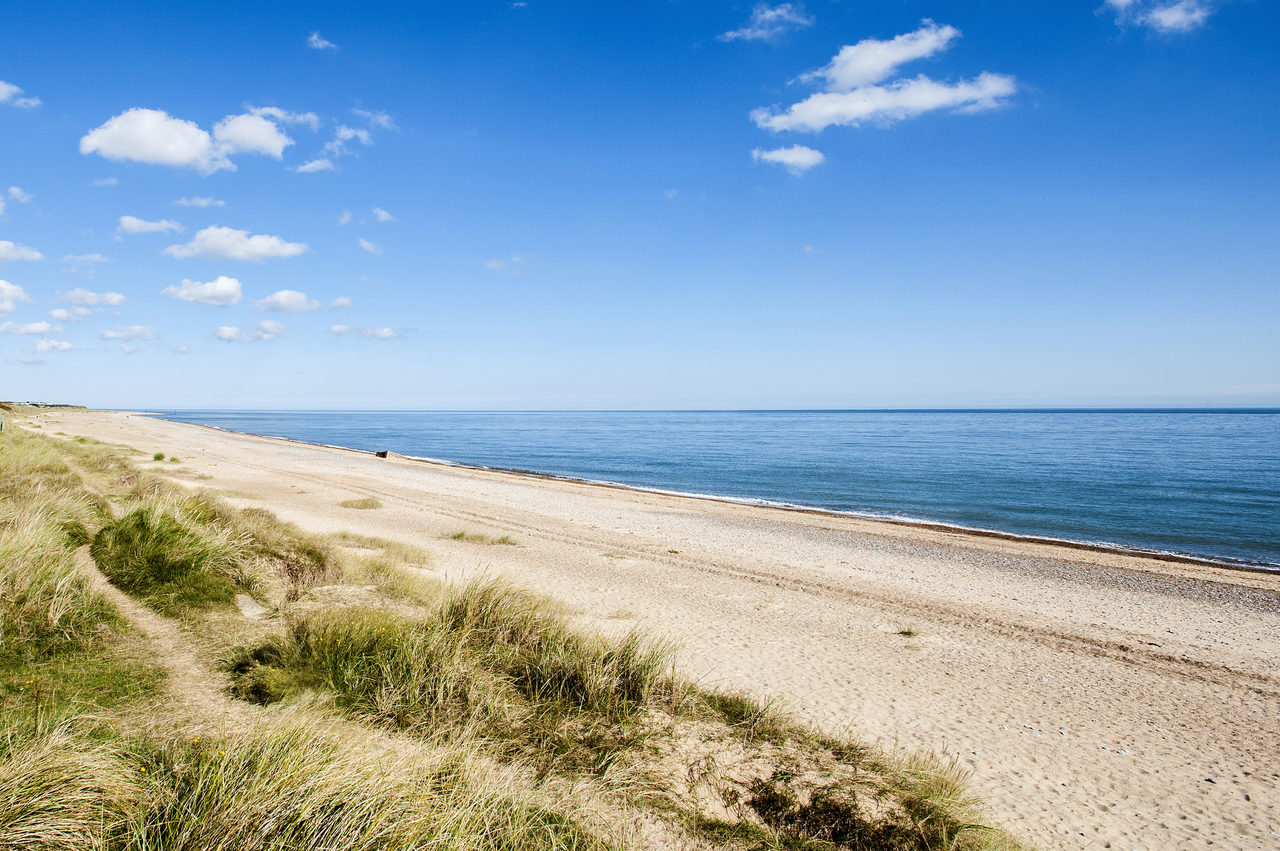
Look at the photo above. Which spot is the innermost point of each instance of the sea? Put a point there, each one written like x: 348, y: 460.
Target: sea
x: 1203, y: 483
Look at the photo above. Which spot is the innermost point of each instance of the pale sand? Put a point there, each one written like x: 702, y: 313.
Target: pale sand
x: 1098, y: 698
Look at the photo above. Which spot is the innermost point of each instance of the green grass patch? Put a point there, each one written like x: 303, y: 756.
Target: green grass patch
x: 367, y: 503
x: 478, y: 538
x: 155, y: 557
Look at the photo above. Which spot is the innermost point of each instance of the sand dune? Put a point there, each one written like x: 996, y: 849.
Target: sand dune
x: 1101, y: 700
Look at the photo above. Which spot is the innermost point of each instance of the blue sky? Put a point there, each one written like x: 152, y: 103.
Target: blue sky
x: 641, y: 205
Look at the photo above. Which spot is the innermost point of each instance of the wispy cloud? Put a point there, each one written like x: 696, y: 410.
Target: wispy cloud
x: 222, y: 291
x: 87, y: 298
x: 17, y: 194
x: 200, y: 201
x: 340, y: 303
x: 40, y: 327
x: 382, y: 215
x: 797, y: 159
x: 369, y: 333
x: 312, y: 166
x: 10, y: 94
x: 769, y: 22
x: 125, y: 333
x: 315, y: 41
x: 371, y: 247
x: 133, y: 224
x: 43, y: 346
x: 1161, y: 15
x: 855, y: 94
x: 510, y: 267
x: 84, y: 264
x: 106, y: 181
x: 267, y: 329
x: 225, y: 243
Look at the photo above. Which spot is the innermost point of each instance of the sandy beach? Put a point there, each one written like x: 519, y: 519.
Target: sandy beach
x: 1101, y: 700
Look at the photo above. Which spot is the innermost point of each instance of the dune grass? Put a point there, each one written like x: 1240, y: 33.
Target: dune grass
x: 405, y: 713
x: 479, y: 538
x: 365, y: 504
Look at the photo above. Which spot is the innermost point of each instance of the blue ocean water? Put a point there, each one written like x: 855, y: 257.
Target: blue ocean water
x: 1204, y: 483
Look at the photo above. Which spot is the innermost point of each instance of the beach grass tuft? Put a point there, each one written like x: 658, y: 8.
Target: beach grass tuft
x: 366, y: 503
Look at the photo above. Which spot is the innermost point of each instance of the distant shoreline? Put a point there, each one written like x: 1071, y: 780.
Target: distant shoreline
x: 1218, y: 562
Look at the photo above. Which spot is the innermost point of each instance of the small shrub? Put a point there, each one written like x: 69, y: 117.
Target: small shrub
x: 159, y: 456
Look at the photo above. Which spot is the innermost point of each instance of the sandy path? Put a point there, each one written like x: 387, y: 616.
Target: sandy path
x: 1100, y: 700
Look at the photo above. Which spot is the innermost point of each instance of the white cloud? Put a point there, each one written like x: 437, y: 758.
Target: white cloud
x: 16, y: 193
x: 671, y: 193
x: 798, y: 159
x: 1161, y: 15
x: 155, y: 137
x: 181, y: 350
x: 40, y: 327
x: 340, y: 302
x: 75, y: 314
x: 128, y: 349
x: 382, y: 215
x: 220, y: 292
x: 315, y: 41
x: 43, y: 346
x: 1178, y: 17
x: 345, y: 218
x: 200, y: 201
x: 250, y: 134
x: 10, y: 251
x: 10, y: 295
x: 1, y: 206
x: 809, y: 249
x: 896, y: 101
x: 369, y: 333
x: 276, y: 113
x: 511, y: 267
x: 106, y: 181
x: 268, y: 329
x: 133, y: 224
x: 368, y: 246
x: 768, y: 22
x: 871, y: 60
x: 312, y: 166
x: 9, y: 94
x: 129, y: 332
x: 85, y: 298
x: 854, y: 93
x: 230, y: 244
x: 287, y: 301
x: 376, y: 118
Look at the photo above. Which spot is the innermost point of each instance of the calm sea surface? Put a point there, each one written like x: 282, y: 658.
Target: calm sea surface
x: 1199, y: 482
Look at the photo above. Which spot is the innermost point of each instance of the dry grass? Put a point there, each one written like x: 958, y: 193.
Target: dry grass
x: 423, y: 717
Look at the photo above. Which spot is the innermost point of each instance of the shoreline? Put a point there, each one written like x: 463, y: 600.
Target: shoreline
x: 1095, y: 696
x: 1102, y: 547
